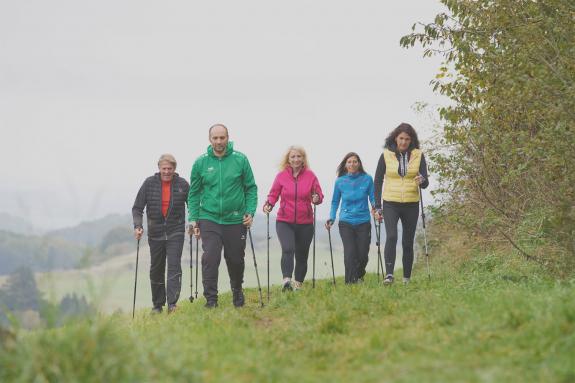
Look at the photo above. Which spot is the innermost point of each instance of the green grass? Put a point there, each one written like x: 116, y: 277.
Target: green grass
x: 109, y: 285
x: 492, y: 318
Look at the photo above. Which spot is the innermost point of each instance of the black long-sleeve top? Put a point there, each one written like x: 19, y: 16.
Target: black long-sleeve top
x: 380, y: 173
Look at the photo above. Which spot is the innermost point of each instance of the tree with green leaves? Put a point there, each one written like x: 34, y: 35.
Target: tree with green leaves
x: 21, y: 292
x: 506, y: 151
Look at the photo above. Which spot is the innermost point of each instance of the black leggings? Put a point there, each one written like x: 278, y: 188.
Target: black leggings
x: 295, y: 240
x: 356, y: 240
x: 408, y: 212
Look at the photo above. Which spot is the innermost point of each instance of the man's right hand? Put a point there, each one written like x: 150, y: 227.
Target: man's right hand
x: 138, y: 232
x: 194, y: 230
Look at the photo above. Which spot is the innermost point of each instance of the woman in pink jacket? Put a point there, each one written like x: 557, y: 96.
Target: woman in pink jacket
x: 297, y: 188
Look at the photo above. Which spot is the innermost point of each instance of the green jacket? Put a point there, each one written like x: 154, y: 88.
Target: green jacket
x: 223, y: 189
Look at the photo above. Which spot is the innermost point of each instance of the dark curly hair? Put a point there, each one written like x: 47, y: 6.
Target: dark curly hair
x: 341, y: 170
x: 402, y: 128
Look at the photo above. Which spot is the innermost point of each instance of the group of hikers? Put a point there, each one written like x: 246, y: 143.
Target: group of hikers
x: 222, y: 200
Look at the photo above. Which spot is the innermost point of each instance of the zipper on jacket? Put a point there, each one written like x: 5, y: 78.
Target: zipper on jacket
x: 169, y: 207
x: 221, y: 191
x: 295, y: 201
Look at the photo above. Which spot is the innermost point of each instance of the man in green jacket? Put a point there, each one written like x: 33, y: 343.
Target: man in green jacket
x: 221, y: 204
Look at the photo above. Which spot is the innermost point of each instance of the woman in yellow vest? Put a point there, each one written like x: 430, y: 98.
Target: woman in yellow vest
x: 401, y: 171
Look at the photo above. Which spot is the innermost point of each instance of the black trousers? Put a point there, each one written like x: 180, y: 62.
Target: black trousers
x: 408, y: 213
x: 356, y: 240
x: 160, y: 251
x: 232, y: 238
x: 294, y: 240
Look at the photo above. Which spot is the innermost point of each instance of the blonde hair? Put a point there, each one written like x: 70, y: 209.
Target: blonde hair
x: 168, y: 158
x: 285, y: 160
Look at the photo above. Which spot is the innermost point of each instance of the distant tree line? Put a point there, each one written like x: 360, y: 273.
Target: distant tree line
x: 22, y: 302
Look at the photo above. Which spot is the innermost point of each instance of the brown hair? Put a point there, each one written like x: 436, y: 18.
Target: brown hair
x: 402, y: 128
x: 341, y: 170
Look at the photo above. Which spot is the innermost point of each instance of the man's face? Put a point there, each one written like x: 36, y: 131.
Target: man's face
x: 219, y: 140
x: 166, y: 171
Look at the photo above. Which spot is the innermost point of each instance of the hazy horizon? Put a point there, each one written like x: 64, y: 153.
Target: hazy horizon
x: 92, y: 93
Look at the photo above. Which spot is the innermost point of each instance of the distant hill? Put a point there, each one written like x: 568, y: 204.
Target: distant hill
x: 73, y: 247
x: 91, y: 233
x: 38, y: 253
x: 15, y: 224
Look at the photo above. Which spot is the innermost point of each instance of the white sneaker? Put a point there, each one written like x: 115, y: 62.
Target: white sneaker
x: 405, y: 281
x: 388, y: 279
x: 297, y: 285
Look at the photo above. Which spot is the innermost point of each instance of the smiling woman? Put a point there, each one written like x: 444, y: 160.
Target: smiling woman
x: 296, y: 187
x: 403, y: 168
x: 354, y: 188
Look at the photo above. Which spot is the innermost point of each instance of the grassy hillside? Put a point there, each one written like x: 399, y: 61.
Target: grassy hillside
x: 492, y: 318
x: 109, y: 285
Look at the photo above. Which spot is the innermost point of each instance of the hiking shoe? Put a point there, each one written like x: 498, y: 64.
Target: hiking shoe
x: 172, y: 307
x: 405, y: 281
x: 388, y: 279
x: 297, y: 285
x: 156, y: 310
x: 287, y: 286
x: 211, y: 304
x: 238, y: 297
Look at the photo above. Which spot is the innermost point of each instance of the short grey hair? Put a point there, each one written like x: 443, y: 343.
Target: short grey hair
x: 167, y: 158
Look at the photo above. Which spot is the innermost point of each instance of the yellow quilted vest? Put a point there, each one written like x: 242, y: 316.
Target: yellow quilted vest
x: 401, y: 189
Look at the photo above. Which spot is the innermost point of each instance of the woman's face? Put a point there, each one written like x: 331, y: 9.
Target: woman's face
x: 295, y: 159
x: 352, y: 164
x: 403, y: 140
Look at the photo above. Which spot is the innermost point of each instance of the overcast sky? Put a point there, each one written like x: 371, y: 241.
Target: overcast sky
x: 91, y: 93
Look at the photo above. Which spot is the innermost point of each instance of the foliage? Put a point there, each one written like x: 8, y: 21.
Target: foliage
x: 506, y: 152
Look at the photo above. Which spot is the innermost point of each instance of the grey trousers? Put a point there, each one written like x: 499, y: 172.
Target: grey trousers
x: 161, y: 251
x: 232, y: 238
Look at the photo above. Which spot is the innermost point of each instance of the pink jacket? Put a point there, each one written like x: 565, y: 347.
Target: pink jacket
x: 295, y: 193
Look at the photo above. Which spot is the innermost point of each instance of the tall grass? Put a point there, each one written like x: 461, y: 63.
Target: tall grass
x: 481, y: 319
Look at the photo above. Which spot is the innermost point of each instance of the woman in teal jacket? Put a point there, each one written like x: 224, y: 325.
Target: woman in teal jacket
x: 353, y: 188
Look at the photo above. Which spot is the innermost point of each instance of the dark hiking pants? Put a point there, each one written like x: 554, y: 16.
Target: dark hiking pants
x: 407, y: 212
x: 232, y: 238
x: 160, y: 251
x: 356, y: 240
x: 295, y: 240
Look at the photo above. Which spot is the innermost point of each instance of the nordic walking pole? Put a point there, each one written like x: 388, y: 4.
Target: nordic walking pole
x: 313, y: 273
x: 424, y: 234
x: 331, y: 255
x: 191, y: 270
x: 379, y: 247
x: 136, y: 278
x: 377, y: 244
x: 268, y: 253
x: 256, y: 267
x: 197, y: 263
